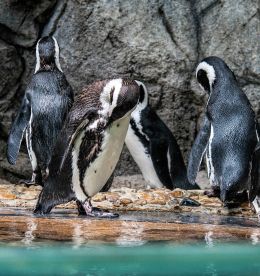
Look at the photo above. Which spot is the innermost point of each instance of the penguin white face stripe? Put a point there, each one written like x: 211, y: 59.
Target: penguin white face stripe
x: 118, y: 85
x: 209, y: 69
x: 57, y: 54
x: 37, y: 67
x: 107, y: 106
x: 144, y: 103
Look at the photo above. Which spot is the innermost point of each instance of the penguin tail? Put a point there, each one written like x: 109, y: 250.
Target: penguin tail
x: 189, y: 186
x: 183, y: 182
x: 194, y: 186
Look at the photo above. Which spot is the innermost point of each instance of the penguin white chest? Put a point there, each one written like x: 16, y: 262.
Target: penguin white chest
x: 104, y: 164
x: 143, y: 159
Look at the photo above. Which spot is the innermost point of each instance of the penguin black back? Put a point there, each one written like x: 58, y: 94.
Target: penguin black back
x: 228, y: 135
x: 47, y: 100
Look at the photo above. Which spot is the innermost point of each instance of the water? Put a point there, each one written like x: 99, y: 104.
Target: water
x: 148, y: 259
x: 139, y: 243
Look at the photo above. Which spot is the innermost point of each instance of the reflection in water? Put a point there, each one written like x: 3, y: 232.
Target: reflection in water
x: 77, y: 238
x: 28, y: 235
x: 130, y: 234
x: 209, y: 239
x: 211, y: 270
x: 255, y: 237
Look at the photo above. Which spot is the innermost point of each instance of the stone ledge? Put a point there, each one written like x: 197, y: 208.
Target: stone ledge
x: 127, y: 199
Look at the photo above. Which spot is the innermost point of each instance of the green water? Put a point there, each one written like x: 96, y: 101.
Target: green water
x: 149, y: 259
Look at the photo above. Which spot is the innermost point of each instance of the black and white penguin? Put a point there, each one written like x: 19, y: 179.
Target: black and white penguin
x: 154, y: 148
x: 89, y: 145
x: 47, y: 100
x: 228, y: 135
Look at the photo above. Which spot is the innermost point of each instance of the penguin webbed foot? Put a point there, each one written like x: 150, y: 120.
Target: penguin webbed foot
x: 88, y: 210
x: 34, y: 181
x: 27, y: 183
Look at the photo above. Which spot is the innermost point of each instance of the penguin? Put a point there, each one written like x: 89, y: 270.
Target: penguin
x: 47, y: 100
x: 154, y: 148
x: 228, y: 136
x: 89, y: 146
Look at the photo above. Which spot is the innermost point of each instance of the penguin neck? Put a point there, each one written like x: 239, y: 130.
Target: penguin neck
x: 47, y: 66
x: 50, y: 65
x: 225, y: 88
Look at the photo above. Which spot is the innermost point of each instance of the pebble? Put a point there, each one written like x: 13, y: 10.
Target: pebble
x: 189, y: 202
x: 125, y: 201
x: 140, y: 202
x: 159, y: 201
x: 177, y: 193
x: 99, y: 197
x: 112, y: 197
x: 7, y: 196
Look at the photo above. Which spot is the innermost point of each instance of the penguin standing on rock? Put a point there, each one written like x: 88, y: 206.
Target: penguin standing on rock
x: 89, y: 145
x: 47, y: 100
x: 228, y: 136
x: 154, y: 148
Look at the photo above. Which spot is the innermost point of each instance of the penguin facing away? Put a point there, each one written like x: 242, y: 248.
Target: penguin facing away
x: 47, y: 100
x: 154, y: 148
x: 228, y: 136
x: 89, y: 145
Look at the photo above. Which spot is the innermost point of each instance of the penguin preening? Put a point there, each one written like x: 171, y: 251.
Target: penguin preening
x: 228, y: 136
x: 154, y: 148
x: 89, y: 145
x: 47, y: 100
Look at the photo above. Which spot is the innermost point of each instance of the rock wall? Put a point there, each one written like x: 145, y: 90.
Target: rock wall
x: 157, y: 42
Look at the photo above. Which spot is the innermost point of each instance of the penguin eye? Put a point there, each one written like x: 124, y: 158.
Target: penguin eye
x: 112, y: 94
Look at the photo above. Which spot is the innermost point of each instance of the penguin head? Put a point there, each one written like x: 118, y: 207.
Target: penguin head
x: 47, y: 54
x: 213, y: 70
x: 118, y: 98
x: 143, y: 98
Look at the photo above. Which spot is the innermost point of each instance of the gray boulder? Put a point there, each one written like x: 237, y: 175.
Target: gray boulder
x: 157, y: 42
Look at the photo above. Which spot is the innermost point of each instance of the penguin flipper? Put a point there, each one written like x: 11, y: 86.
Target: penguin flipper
x: 71, y: 139
x: 198, y: 150
x: 255, y: 174
x: 158, y: 151
x: 72, y: 129
x: 16, y: 134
